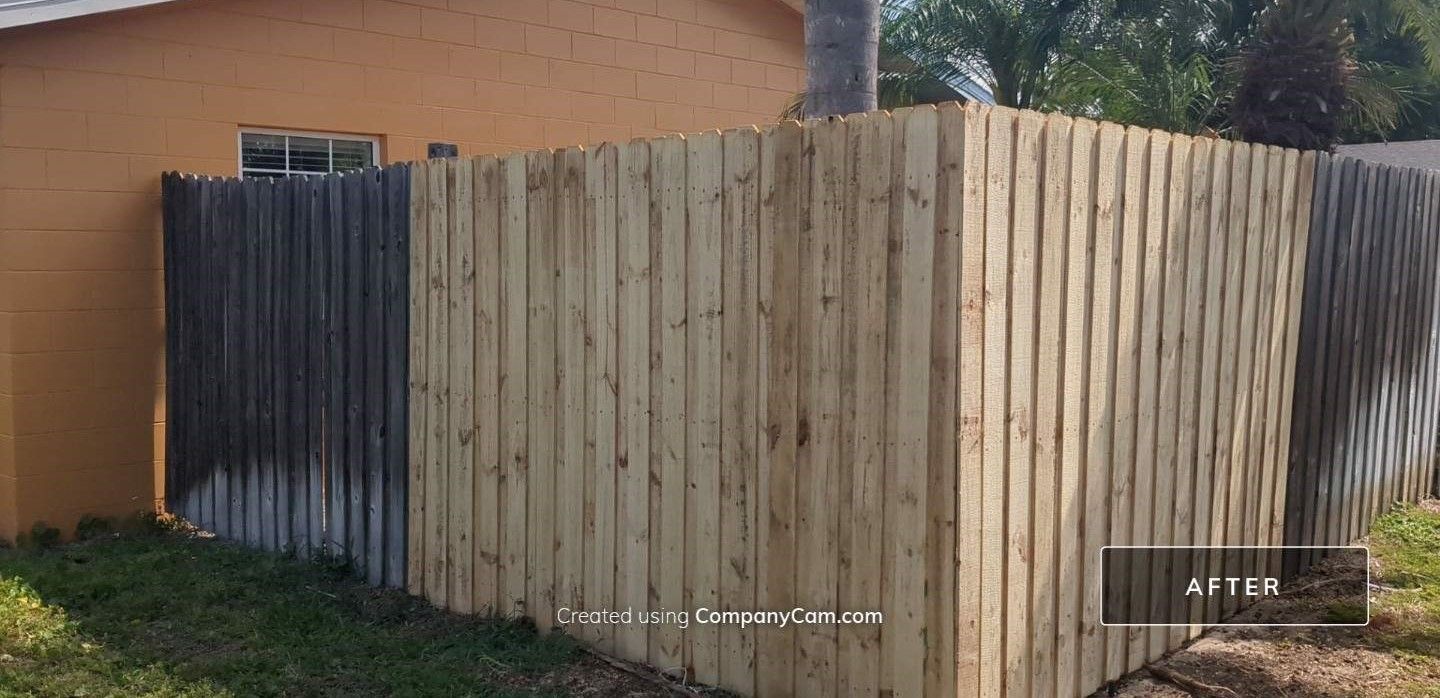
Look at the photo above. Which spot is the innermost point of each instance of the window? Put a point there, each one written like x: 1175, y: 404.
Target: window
x: 266, y: 153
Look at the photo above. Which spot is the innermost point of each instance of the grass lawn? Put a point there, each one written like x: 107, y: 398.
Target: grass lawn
x: 1405, y: 619
x: 173, y: 614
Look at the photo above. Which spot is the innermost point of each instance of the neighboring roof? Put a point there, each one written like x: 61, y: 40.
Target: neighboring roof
x: 1424, y: 154
x: 18, y: 13
x: 932, y: 90
x: 973, y: 90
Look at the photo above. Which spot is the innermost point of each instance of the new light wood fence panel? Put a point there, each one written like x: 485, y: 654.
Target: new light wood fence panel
x: 925, y: 362
x: 1363, y: 435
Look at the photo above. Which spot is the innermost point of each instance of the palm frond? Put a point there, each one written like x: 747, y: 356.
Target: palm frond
x: 1378, y: 96
x: 1417, y: 20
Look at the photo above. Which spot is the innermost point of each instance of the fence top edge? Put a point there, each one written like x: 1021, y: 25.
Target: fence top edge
x: 376, y: 171
x: 981, y: 111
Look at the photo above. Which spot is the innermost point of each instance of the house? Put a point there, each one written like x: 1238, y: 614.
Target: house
x: 98, y: 97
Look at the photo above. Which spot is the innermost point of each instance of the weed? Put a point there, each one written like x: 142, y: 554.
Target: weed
x: 1340, y: 612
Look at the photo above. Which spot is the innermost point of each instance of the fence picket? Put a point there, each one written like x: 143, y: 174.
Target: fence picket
x: 632, y: 569
x: 395, y: 290
x: 372, y: 508
x: 1024, y: 241
x: 971, y: 401
x: 1100, y: 436
x: 460, y: 495
x: 485, y: 582
x: 1295, y: 308
x: 1207, y: 486
x: 418, y: 387
x: 1054, y: 544
x: 232, y: 218
x: 1326, y: 469
x: 775, y: 208
x: 667, y: 394
x: 740, y: 414
x: 295, y: 344
x: 862, y: 385
x: 703, y: 263
x: 938, y: 576
x: 1188, y: 484
x: 818, y: 366
x: 541, y: 406
x: 909, y: 406
x: 354, y: 310
x: 514, y: 391
x: 1128, y: 297
x: 315, y: 378
x: 571, y: 259
x: 1000, y: 154
x: 601, y: 218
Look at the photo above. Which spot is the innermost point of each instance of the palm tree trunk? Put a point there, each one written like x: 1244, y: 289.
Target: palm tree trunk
x: 841, y: 40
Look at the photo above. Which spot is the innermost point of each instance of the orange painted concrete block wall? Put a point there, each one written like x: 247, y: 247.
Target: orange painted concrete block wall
x: 93, y: 109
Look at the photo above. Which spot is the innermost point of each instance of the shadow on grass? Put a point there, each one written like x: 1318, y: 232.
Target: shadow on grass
x: 178, y: 615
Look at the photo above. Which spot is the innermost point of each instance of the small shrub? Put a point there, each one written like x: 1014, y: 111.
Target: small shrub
x: 92, y: 527
x: 152, y: 523
x: 40, y: 537
x: 334, y: 563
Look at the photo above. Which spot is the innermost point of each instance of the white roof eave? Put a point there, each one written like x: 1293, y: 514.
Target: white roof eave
x: 19, y: 13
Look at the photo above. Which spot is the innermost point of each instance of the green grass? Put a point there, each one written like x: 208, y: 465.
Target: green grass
x: 1407, y: 544
x: 174, y: 615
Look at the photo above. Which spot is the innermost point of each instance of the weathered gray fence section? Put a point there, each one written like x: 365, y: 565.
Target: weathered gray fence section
x: 287, y: 321
x: 1366, y: 394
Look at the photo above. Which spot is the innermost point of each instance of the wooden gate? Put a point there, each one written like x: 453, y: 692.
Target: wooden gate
x: 286, y: 362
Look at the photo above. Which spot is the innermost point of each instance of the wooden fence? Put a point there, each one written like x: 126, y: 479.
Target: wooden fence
x: 925, y: 362
x: 1364, y: 437
x: 286, y: 323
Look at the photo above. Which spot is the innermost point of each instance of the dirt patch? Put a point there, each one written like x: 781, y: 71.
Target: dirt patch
x: 592, y: 677
x: 1320, y: 662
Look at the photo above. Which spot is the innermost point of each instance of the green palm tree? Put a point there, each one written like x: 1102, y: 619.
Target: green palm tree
x: 1161, y: 64
x: 1173, y: 64
x: 1020, y: 51
x: 841, y: 38
x: 1170, y: 64
x: 1397, y: 84
x: 1294, y: 75
x: 1023, y: 51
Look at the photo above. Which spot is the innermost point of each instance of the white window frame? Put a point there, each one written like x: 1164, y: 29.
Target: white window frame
x: 240, y: 134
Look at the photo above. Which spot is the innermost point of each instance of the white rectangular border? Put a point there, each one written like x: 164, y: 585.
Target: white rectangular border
x: 1103, y: 548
